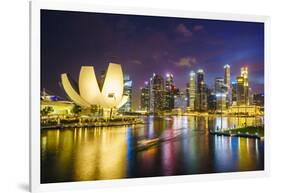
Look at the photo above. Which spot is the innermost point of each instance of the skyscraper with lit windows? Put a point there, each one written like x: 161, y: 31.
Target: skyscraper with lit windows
x: 244, y: 74
x: 240, y: 90
x: 211, y: 100
x: 219, y: 85
x: 258, y: 99
x: 156, y: 93
x: 227, y: 83
x: 220, y: 102
x: 201, y: 95
x: 180, y: 101
x: 227, y: 76
x: 191, y: 90
x: 221, y: 93
x: 169, y: 92
x: 234, y: 92
x: 145, y: 97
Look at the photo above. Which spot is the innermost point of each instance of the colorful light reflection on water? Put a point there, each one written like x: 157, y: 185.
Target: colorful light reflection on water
x: 110, y: 153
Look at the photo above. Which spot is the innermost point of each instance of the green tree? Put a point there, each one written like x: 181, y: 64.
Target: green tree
x: 76, y: 110
x: 46, y: 110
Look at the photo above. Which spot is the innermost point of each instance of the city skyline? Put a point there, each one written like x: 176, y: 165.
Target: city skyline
x: 160, y: 94
x: 129, y: 96
x: 144, y: 44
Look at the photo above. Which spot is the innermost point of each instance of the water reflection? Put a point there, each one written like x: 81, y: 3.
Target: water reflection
x: 234, y: 122
x: 111, y: 153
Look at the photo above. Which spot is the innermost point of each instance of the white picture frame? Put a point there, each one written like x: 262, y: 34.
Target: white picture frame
x: 36, y: 6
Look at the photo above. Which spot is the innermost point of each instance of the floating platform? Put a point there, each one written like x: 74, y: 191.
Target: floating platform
x: 224, y: 133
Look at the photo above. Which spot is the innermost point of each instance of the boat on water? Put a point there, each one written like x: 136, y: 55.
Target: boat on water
x: 147, y: 143
x: 166, y: 137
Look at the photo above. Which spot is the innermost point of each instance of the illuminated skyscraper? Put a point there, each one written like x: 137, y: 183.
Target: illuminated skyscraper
x: 240, y: 90
x: 180, y: 100
x: 221, y: 102
x: 251, y: 97
x: 201, y: 95
x: 227, y: 83
x: 234, y: 92
x: 219, y: 85
x: 127, y: 107
x: 191, y: 91
x: 157, y: 93
x: 211, y: 100
x: 169, y: 84
x: 221, y: 93
x: 145, y: 97
x: 169, y: 92
x: 244, y: 74
x: 258, y: 99
x: 200, y: 77
x: 227, y: 76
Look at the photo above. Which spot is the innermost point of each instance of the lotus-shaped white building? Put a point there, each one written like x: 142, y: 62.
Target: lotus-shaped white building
x: 109, y: 96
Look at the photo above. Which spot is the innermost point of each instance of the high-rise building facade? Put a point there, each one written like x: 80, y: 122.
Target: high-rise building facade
x: 128, y: 88
x: 240, y: 91
x: 191, y: 90
x: 221, y: 92
x: 211, y: 100
x: 220, y: 86
x: 145, y: 97
x: 234, y: 92
x: 201, y: 95
x: 251, y: 96
x: 227, y: 83
x: 157, y: 93
x: 244, y: 74
x: 220, y: 102
x: 258, y: 99
x: 227, y: 76
x: 180, y: 101
x: 169, y: 92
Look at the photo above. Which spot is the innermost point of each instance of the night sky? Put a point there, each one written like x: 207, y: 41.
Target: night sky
x: 145, y: 44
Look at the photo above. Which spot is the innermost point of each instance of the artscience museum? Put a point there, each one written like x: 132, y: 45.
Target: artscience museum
x: 105, y: 93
